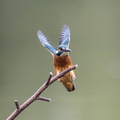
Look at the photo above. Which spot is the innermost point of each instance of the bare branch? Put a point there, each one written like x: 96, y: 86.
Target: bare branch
x: 36, y: 95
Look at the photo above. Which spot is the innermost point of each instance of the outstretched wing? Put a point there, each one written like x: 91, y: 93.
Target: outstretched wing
x: 65, y: 36
x: 45, y: 42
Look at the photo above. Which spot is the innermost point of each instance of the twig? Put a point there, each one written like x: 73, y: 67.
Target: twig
x: 16, y: 104
x: 36, y: 95
x: 49, y: 78
x: 43, y: 99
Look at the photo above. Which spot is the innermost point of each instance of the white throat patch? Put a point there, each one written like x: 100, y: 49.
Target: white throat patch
x: 65, y: 54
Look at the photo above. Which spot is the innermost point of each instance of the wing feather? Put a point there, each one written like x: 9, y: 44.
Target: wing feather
x: 45, y: 42
x: 65, y: 36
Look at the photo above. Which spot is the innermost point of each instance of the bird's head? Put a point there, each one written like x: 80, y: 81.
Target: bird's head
x: 63, y: 50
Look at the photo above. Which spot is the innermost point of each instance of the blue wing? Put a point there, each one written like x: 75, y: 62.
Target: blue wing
x: 65, y: 36
x: 45, y: 42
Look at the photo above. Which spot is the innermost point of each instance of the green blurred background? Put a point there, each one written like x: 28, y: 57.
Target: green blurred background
x: 25, y: 64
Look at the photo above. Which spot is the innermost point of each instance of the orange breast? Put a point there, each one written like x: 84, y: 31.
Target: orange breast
x: 62, y: 62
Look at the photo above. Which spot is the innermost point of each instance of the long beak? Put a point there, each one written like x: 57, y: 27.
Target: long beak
x: 66, y: 50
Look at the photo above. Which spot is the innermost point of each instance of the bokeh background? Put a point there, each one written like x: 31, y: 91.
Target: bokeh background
x: 25, y: 64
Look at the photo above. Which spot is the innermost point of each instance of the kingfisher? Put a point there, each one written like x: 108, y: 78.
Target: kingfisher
x: 61, y: 58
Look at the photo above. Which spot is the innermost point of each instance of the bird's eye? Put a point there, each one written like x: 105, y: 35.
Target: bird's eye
x: 60, y: 48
